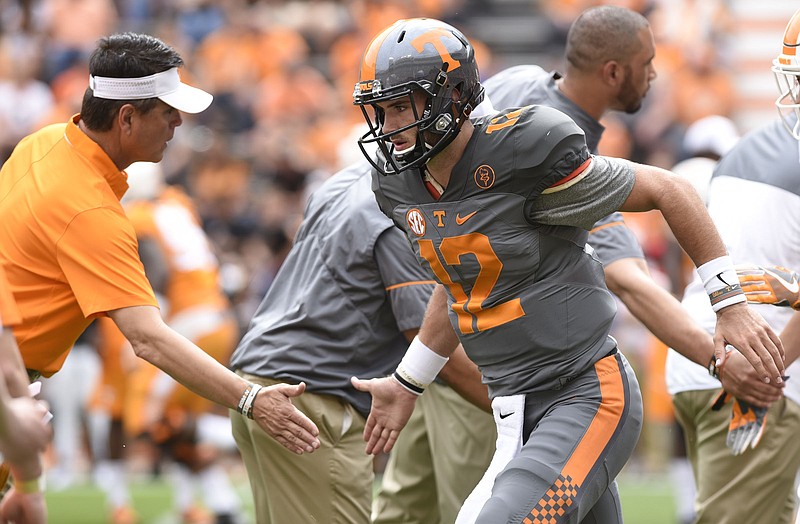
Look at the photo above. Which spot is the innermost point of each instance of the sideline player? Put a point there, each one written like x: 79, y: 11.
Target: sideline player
x: 497, y: 211
x: 754, y: 198
x: 183, y: 269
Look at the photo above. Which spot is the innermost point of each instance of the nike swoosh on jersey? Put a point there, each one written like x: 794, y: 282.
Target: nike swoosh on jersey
x: 793, y: 286
x: 460, y: 220
x: 506, y: 415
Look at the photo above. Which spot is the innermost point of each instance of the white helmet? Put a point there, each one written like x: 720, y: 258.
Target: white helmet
x: 786, y: 68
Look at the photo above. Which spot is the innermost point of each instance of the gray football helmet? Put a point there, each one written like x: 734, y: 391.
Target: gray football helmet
x: 424, y: 55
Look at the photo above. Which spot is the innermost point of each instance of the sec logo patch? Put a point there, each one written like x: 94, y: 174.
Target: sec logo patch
x: 484, y: 177
x: 416, y: 221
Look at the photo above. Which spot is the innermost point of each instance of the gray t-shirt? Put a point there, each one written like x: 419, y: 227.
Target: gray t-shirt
x: 339, y: 305
x: 526, y: 85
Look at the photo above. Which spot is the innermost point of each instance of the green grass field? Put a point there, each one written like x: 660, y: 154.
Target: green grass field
x: 645, y: 501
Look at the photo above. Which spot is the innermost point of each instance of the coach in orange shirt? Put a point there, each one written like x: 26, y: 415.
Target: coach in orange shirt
x: 70, y: 252
x: 24, y: 433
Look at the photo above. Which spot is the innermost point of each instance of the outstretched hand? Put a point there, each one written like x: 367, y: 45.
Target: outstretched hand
x: 744, y: 329
x: 274, y: 412
x: 26, y: 432
x: 392, y: 405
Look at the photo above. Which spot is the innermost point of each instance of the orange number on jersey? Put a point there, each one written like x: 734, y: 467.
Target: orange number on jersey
x: 503, y: 121
x: 469, y: 306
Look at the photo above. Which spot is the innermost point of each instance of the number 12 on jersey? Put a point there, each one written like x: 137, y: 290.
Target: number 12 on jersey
x: 469, y: 308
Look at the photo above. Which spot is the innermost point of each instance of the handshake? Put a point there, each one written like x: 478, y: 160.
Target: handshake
x: 773, y: 285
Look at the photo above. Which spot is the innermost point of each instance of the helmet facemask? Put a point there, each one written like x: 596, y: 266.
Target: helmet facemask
x: 788, y: 102
x: 437, y: 124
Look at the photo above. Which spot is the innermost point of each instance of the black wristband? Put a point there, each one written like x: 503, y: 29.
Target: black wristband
x: 712, y: 367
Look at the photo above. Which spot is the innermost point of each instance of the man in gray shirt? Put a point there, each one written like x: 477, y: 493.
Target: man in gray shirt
x: 347, y: 300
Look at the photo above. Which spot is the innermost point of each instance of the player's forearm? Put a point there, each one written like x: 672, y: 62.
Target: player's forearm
x: 436, y: 331
x: 682, y: 208
x: 463, y: 376
x: 12, y: 366
x: 791, y: 339
x: 29, y: 469
x: 658, y: 310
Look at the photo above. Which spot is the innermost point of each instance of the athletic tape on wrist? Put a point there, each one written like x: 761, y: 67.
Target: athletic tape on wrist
x: 721, y: 283
x: 419, y: 367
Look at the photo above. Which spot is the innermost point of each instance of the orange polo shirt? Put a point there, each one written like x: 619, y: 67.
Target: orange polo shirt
x: 69, y: 251
x: 9, y: 314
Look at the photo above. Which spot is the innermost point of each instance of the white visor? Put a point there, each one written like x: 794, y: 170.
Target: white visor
x: 166, y: 86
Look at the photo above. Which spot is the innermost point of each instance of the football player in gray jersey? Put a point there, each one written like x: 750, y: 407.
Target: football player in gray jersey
x: 608, y: 67
x: 347, y: 300
x: 498, y: 212
x: 745, y: 457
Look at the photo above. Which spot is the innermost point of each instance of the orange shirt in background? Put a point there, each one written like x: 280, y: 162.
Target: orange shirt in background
x: 69, y: 251
x: 172, y: 222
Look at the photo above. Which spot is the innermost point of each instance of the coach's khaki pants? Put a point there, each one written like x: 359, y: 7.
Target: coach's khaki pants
x: 438, y: 459
x: 332, y: 485
x: 756, y: 487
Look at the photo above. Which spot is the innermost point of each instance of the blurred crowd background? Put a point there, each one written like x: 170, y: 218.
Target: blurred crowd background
x: 282, y: 73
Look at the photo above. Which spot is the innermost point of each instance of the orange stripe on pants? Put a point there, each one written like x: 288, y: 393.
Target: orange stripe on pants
x: 587, y: 453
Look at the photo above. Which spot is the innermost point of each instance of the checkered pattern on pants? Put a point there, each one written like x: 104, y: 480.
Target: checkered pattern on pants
x: 551, y: 507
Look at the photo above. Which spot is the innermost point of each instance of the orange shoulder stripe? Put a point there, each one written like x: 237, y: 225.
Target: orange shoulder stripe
x: 412, y: 283
x: 575, y: 173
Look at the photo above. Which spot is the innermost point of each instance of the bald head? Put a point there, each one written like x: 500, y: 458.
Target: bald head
x: 604, y: 33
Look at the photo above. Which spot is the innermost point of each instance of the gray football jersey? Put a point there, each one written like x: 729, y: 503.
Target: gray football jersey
x: 339, y: 304
x: 530, y: 84
x: 527, y: 300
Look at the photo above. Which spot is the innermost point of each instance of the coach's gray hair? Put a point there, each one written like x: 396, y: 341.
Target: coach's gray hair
x: 604, y: 33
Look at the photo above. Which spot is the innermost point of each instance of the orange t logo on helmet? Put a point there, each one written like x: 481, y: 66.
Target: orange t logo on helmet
x: 434, y: 37
x: 791, y: 40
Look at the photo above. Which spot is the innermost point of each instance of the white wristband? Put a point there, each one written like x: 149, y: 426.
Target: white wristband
x: 721, y: 283
x: 419, y: 367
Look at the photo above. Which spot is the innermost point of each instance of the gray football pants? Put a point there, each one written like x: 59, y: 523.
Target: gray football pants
x: 575, y: 442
